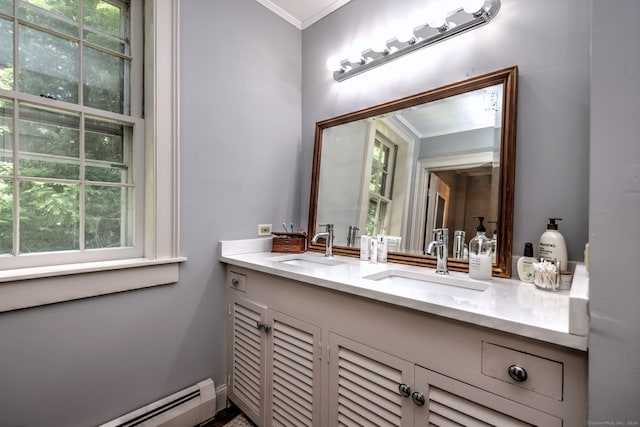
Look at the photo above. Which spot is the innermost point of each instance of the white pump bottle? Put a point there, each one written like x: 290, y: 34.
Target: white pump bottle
x: 552, y: 246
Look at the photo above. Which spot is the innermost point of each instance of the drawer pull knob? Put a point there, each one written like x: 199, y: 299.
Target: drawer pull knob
x: 517, y: 373
x: 418, y: 398
x: 405, y: 390
x: 235, y: 282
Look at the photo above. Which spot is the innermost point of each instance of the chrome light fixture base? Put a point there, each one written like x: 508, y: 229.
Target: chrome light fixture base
x: 458, y: 22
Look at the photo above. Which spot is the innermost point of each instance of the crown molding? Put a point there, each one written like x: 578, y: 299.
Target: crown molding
x: 306, y: 21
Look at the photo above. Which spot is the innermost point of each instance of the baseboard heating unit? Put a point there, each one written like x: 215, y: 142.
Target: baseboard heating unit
x: 186, y: 408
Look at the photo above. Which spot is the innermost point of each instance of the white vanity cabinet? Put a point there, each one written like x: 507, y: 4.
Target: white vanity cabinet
x: 351, y: 360
x: 273, y: 362
x: 370, y: 387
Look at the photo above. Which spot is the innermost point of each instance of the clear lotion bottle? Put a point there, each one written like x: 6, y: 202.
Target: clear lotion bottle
x: 480, y: 253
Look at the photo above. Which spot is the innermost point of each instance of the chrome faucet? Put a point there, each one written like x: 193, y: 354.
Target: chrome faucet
x: 352, y: 236
x: 328, y: 235
x: 440, y: 243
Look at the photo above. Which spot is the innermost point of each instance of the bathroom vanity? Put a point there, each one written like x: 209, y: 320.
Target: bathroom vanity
x: 321, y: 341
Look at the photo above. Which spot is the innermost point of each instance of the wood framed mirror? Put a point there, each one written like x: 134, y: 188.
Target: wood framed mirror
x: 435, y: 159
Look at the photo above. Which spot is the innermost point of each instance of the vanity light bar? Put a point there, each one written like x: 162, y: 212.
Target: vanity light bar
x: 471, y: 15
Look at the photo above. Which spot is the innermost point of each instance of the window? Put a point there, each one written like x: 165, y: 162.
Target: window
x: 70, y: 123
x: 78, y: 188
x: 380, y: 185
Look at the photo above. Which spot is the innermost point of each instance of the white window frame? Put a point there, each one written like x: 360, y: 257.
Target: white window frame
x: 386, y: 198
x: 159, y: 265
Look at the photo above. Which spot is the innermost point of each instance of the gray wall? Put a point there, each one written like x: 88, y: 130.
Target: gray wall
x: 614, y: 214
x: 85, y: 362
x: 549, y: 42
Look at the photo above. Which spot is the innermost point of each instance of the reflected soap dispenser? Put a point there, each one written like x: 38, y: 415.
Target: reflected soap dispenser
x: 494, y: 240
x: 480, y: 253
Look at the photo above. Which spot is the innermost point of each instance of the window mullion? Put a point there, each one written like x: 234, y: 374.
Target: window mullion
x: 82, y: 191
x: 81, y: 65
x: 16, y: 49
x: 16, y: 188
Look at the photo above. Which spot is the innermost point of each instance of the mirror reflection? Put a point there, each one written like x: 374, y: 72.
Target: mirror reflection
x: 407, y: 168
x: 407, y: 172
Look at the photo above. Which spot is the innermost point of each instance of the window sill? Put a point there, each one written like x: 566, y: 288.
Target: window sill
x: 31, y: 287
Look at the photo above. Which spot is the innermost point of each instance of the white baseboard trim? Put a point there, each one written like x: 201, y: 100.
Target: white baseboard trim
x: 221, y: 398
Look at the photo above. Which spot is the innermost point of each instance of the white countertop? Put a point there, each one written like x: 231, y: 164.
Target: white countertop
x: 507, y: 305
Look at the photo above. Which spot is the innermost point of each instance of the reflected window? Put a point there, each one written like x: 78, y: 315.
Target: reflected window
x: 381, y: 184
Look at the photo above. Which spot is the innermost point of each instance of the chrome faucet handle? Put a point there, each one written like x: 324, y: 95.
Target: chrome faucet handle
x: 352, y: 235
x: 440, y: 233
x: 328, y: 226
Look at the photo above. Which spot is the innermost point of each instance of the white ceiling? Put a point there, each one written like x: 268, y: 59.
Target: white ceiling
x: 459, y: 113
x: 302, y: 13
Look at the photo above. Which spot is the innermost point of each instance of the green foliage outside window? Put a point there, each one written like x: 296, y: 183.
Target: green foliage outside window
x: 70, y: 189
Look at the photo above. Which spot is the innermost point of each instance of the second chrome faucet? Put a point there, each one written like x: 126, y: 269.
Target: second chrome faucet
x: 441, y: 244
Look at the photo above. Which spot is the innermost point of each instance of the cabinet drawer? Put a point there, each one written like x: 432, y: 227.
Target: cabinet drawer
x: 533, y: 373
x: 237, y: 281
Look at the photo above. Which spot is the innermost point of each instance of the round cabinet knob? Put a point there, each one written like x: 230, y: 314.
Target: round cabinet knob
x: 517, y: 373
x: 267, y: 328
x: 235, y: 282
x: 404, y: 390
x: 260, y: 325
x: 418, y: 398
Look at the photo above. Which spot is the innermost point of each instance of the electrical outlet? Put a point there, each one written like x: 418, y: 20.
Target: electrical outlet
x: 264, y: 229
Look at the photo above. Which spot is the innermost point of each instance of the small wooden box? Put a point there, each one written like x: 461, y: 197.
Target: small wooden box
x: 291, y: 243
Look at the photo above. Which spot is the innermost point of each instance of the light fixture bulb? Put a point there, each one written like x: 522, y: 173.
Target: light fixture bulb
x: 405, y: 35
x: 437, y: 19
x: 380, y: 45
x: 333, y: 64
x: 356, y: 57
x: 472, y: 7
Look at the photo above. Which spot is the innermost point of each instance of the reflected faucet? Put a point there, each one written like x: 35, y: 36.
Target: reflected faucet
x: 440, y: 243
x: 328, y: 235
x: 352, y: 236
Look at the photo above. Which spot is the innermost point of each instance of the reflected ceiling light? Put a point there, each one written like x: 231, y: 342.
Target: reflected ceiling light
x: 440, y: 26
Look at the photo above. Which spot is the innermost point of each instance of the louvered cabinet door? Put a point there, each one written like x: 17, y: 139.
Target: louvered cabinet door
x: 365, y: 386
x: 247, y: 357
x: 293, y: 372
x: 449, y: 403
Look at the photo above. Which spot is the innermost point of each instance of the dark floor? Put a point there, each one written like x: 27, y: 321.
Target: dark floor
x: 223, y: 417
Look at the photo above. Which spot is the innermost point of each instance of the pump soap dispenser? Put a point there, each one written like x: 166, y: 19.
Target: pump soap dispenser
x: 552, y: 246
x: 480, y: 253
x: 525, y: 264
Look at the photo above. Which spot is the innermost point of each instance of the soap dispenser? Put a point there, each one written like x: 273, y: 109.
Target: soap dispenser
x: 480, y: 253
x: 552, y: 246
x: 525, y: 264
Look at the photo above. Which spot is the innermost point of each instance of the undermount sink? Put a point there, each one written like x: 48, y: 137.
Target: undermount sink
x: 402, y: 277
x: 305, y: 260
